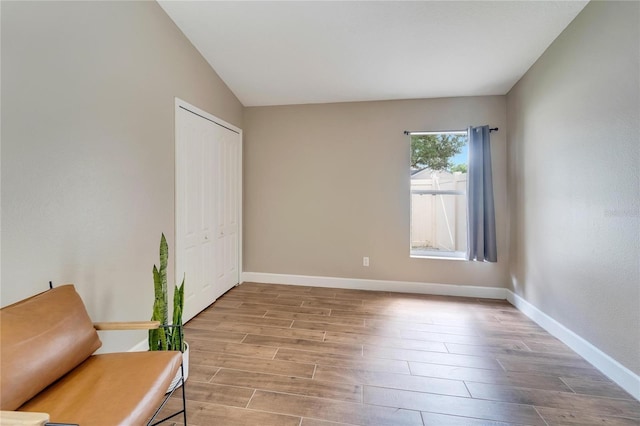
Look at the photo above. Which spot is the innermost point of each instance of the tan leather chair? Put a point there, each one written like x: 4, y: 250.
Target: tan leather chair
x: 47, y: 366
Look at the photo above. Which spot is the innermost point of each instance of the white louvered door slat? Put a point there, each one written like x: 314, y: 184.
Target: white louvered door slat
x: 207, y: 209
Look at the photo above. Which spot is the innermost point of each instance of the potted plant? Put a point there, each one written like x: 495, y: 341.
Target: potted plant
x: 169, y: 337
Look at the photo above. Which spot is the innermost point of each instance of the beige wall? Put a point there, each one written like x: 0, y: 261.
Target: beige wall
x: 328, y: 184
x: 574, y: 155
x: 87, y: 148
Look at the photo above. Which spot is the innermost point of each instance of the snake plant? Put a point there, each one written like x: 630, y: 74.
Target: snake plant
x: 168, y: 336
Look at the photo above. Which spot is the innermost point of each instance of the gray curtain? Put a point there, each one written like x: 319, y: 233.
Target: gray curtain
x: 481, y: 240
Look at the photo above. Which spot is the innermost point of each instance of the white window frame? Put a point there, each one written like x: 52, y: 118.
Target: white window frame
x: 434, y: 254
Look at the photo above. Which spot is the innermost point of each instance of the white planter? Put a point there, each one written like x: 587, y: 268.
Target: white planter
x: 185, y: 364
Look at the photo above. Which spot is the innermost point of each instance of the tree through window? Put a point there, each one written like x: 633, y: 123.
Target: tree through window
x: 438, y: 169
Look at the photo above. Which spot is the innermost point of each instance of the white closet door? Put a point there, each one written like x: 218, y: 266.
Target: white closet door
x: 207, y: 208
x: 228, y: 214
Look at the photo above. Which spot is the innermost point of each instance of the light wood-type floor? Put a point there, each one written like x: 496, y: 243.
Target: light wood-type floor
x: 306, y: 356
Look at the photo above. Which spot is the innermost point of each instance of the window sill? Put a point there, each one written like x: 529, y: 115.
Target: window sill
x: 425, y: 254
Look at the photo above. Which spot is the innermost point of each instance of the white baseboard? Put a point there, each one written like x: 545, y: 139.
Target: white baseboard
x: 611, y: 368
x: 141, y: 346
x: 378, y: 285
x: 617, y: 372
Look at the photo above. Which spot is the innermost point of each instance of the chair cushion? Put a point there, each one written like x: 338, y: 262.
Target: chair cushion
x: 42, y: 339
x: 110, y: 389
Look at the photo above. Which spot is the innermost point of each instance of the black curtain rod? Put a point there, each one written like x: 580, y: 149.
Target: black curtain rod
x: 408, y: 132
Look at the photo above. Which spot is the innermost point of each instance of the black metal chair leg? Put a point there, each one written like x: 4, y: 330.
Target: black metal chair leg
x: 184, y: 397
x: 166, y: 399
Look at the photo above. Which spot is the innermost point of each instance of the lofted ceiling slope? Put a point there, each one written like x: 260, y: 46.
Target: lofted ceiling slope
x: 289, y: 52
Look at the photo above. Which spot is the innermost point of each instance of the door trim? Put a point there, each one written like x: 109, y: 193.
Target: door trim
x: 181, y: 104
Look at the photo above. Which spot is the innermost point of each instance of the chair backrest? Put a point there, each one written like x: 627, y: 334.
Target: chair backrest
x: 41, y: 339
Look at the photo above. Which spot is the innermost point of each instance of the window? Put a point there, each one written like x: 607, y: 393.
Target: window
x: 439, y: 194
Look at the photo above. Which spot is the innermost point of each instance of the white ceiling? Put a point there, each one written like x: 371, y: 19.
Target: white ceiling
x: 278, y: 53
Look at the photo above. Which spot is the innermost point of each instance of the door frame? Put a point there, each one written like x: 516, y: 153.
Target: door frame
x: 180, y: 104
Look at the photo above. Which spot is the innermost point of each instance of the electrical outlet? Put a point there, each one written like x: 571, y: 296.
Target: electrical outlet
x: 365, y: 261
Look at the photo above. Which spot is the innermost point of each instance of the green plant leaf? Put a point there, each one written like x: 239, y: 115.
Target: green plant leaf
x: 178, y: 306
x: 158, y: 337
x: 166, y: 338
x: 164, y: 255
x: 153, y: 340
x: 161, y: 338
x: 160, y: 298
